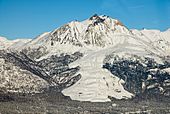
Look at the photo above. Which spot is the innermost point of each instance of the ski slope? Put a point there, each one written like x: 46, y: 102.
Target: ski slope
x: 96, y: 83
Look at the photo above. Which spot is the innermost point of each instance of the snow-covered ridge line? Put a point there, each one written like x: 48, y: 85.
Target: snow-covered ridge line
x: 12, y: 44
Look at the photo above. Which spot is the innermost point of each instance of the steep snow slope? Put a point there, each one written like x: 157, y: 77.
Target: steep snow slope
x: 160, y: 40
x: 68, y: 34
x: 96, y: 84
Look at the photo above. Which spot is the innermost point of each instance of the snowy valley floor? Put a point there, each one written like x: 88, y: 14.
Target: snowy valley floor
x: 56, y: 103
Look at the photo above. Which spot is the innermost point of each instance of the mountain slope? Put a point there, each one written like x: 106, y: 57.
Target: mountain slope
x: 94, y: 33
x: 15, y: 79
x: 12, y: 44
x: 96, y: 59
x: 4, y: 43
x: 97, y: 84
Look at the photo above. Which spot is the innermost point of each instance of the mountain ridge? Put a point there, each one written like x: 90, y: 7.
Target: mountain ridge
x: 88, y: 60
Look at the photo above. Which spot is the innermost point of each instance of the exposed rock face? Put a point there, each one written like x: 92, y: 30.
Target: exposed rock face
x: 57, y: 67
x: 67, y: 34
x: 35, y: 53
x: 142, y: 75
x: 101, y: 29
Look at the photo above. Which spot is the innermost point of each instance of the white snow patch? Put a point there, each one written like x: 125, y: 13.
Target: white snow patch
x: 96, y: 83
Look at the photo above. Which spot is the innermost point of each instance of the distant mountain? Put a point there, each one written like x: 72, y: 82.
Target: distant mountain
x: 12, y: 44
x: 4, y: 43
x: 93, y: 60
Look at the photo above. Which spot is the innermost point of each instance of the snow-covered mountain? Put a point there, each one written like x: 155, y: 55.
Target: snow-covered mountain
x: 12, y: 44
x: 4, y: 43
x: 99, y: 32
x: 157, y: 38
x: 93, y: 33
x: 88, y: 60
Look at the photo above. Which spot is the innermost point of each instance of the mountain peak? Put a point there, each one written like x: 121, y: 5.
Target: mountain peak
x: 96, y: 19
x: 97, y: 31
x: 94, y: 16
